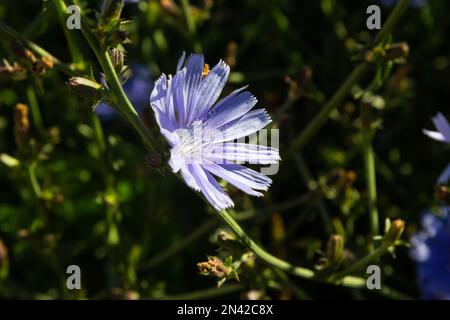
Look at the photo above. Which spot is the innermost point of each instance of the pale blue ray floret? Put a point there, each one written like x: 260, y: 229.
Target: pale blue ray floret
x: 201, y: 131
x: 442, y: 134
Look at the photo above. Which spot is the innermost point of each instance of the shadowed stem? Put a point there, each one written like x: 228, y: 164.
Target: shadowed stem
x: 336, y: 100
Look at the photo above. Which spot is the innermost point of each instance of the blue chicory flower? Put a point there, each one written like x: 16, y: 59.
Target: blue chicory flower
x: 442, y: 134
x: 201, y: 131
x: 431, y: 252
x: 137, y: 87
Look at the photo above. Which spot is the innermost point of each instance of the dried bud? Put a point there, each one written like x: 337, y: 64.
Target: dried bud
x: 335, y: 248
x: 443, y: 194
x: 3, y: 253
x: 395, y: 231
x: 215, y: 267
x: 39, y: 67
x: 85, y: 87
x: 294, y: 91
x: 14, y: 72
x: 397, y: 50
x: 21, y: 123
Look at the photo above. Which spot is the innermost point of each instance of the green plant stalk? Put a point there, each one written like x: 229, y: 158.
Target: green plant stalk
x: 125, y: 108
x: 260, y: 252
x: 307, y: 177
x: 369, y: 168
x: 336, y: 100
x: 11, y: 33
x: 192, y: 29
x: 74, y: 50
x: 213, y: 222
x: 360, y: 264
x: 35, y: 112
x: 31, y: 171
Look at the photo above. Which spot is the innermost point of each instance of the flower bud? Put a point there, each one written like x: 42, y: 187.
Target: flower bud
x: 397, y: 50
x: 117, y: 58
x: 335, y: 248
x: 443, y: 194
x: 85, y: 87
x: 395, y: 231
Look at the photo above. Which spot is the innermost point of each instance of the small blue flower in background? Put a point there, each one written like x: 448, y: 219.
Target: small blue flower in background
x: 431, y: 252
x: 201, y: 131
x: 137, y: 88
x: 414, y: 3
x: 442, y: 134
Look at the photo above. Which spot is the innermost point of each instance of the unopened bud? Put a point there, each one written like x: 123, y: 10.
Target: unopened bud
x: 117, y: 58
x: 397, y: 50
x: 395, y: 231
x: 335, y: 248
x: 85, y: 87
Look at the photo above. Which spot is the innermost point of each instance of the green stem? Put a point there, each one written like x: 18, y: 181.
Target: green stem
x: 74, y: 50
x: 35, y: 112
x: 186, y: 7
x: 362, y: 263
x: 31, y: 169
x: 211, y: 223
x: 336, y: 100
x: 125, y: 108
x: 369, y: 171
x: 260, y: 252
x: 11, y: 33
x: 307, y: 177
x: 391, y: 21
